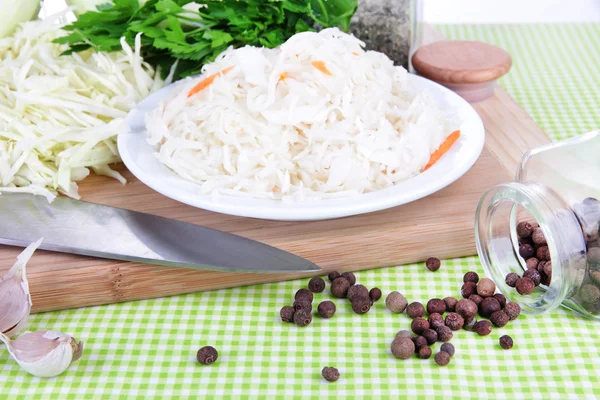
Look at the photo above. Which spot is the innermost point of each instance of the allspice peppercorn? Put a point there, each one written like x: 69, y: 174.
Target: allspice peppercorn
x: 444, y: 333
x: 303, y: 304
x: 483, y: 327
x: 466, y: 308
x: 534, y: 275
x: 287, y: 314
x: 424, y: 352
x: 477, y: 299
x: 405, y: 334
x: 501, y: 299
x: 442, y: 358
x: 450, y: 303
x: 506, y: 342
x: 448, y: 348
x: 332, y: 275
x: 330, y: 374
x: 511, y: 279
x: 589, y: 294
x: 375, y: 294
x: 304, y: 294
x: 357, y: 291
x: 316, y: 285
x: 486, y: 287
x: 207, y: 355
x: 430, y: 335
x: 538, y: 237
x: 454, y: 321
x: 419, y: 325
x: 396, y: 302
x: 419, y: 342
x: 512, y: 310
x: 488, y: 306
x: 526, y: 251
x: 468, y: 288
x: 524, y: 229
x: 470, y: 324
x: 302, y: 318
x: 499, y: 319
x: 471, y: 276
x: 402, y: 348
x: 525, y: 286
x: 543, y: 253
x: 435, y: 320
x: 436, y: 306
x: 433, y: 264
x: 532, y: 263
x: 415, y: 309
x: 339, y: 287
x: 361, y: 305
x: 326, y: 309
x: 350, y: 277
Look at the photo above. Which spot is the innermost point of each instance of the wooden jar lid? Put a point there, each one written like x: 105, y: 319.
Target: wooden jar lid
x: 461, y: 62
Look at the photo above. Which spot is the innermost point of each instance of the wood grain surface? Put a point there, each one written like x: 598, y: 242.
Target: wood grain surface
x: 439, y: 225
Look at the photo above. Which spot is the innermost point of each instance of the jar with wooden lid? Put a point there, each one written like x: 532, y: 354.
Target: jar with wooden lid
x: 556, y: 186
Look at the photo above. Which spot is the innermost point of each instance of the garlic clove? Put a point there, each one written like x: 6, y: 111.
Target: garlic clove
x: 15, y: 300
x: 45, y: 353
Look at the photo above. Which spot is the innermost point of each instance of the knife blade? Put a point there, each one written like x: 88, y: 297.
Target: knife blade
x: 78, y: 227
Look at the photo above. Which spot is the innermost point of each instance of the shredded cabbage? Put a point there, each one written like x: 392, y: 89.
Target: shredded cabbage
x: 318, y: 117
x: 59, y: 115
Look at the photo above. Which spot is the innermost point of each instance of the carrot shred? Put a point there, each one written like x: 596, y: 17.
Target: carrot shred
x: 355, y: 53
x: 444, y: 147
x: 206, y: 82
x: 320, y: 65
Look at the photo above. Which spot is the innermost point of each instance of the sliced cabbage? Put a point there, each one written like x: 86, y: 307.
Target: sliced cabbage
x: 59, y: 115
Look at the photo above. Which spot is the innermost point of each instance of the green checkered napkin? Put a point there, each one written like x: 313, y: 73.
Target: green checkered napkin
x: 147, y: 349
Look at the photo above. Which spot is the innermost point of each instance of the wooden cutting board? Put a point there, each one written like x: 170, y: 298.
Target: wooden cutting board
x: 440, y: 225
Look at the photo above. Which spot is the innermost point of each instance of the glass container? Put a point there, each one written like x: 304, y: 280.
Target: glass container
x: 557, y: 187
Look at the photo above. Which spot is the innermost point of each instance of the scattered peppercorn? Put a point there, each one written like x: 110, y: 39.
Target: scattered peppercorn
x: 403, y: 348
x: 332, y: 275
x: 330, y: 374
x: 538, y: 237
x: 435, y: 320
x: 302, y: 318
x: 430, y: 335
x: 316, y: 285
x: 207, y: 355
x: 548, y: 268
x: 546, y: 279
x: 442, y: 358
x: 471, y: 276
x: 589, y: 294
x: 415, y: 309
x: 444, y: 333
x: 526, y: 251
x: 357, y: 291
x: 506, y: 342
x: 424, y: 352
x: 477, y: 299
x: 419, y: 342
x: 499, y: 319
x: 419, y: 325
x: 470, y: 324
x: 511, y: 279
x: 436, y: 306
x: 532, y: 263
x: 468, y: 288
x: 534, y: 275
x: 543, y: 253
x: 454, y: 321
x: 524, y: 229
x: 433, y: 264
x: 303, y: 304
x: 304, y: 294
x: 375, y: 294
x: 501, y: 299
x: 287, y: 314
x: 488, y: 306
x: 595, y: 277
x: 466, y: 308
x: 483, y: 327
x: 326, y: 309
x: 450, y: 303
x: 486, y: 287
x: 361, y: 305
x: 339, y: 287
x: 448, y: 348
x: 350, y: 277
x: 405, y: 334
x: 396, y: 302
x: 512, y: 310
x: 525, y: 286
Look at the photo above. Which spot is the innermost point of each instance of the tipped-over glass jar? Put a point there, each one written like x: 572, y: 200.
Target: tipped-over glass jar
x: 557, y: 186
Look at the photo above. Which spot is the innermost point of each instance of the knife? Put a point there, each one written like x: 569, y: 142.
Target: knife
x: 77, y: 227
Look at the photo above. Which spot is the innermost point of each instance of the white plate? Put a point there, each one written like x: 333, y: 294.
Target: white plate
x: 138, y: 156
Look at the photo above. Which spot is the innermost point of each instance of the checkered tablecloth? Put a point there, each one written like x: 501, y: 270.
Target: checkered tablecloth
x: 147, y: 349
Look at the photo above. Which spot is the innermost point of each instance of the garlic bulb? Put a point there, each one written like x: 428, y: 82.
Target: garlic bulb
x: 44, y: 353
x: 15, y: 301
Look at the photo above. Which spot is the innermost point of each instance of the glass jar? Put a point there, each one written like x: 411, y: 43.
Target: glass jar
x: 557, y: 187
